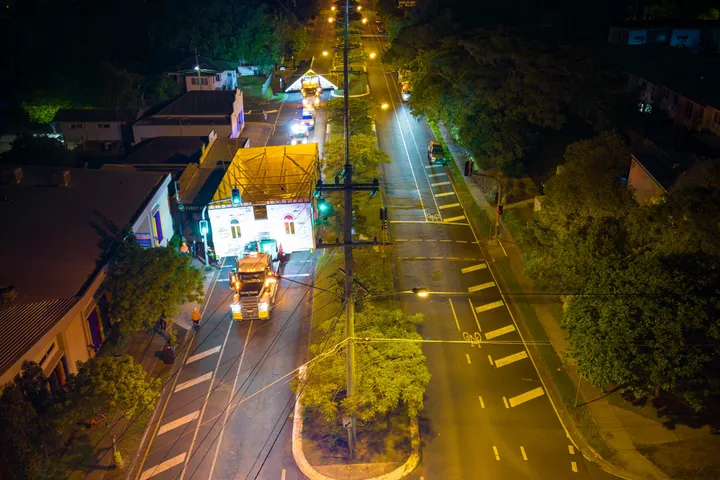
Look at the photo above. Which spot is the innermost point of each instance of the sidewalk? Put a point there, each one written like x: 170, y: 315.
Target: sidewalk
x: 604, y: 433
x: 145, y: 348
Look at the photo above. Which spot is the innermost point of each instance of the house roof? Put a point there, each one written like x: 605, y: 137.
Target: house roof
x: 171, y: 150
x: 95, y: 115
x: 207, y: 64
x: 677, y: 172
x: 60, y: 242
x: 201, y: 103
x: 271, y: 174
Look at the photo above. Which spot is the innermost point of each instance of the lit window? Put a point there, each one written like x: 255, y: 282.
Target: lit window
x: 235, y: 228
x: 289, y: 225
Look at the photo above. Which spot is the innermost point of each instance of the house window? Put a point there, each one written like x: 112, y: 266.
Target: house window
x: 260, y: 212
x: 716, y: 118
x: 157, y: 226
x: 639, y: 39
x: 675, y: 99
x: 666, y: 94
x: 218, y: 78
x: 235, y: 228
x: 643, y: 86
x: 289, y: 225
x: 75, y: 126
x: 103, y: 125
x: 688, y: 109
x: 197, y: 81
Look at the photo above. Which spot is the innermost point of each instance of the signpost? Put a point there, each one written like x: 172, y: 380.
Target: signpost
x: 144, y: 239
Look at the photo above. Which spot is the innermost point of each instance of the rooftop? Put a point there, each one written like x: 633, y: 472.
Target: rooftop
x: 679, y: 171
x: 95, y: 115
x: 207, y: 64
x: 271, y: 174
x: 173, y: 150
x: 216, y: 103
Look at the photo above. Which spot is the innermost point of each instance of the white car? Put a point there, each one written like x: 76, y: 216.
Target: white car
x: 405, y: 92
x: 308, y: 118
x: 298, y: 134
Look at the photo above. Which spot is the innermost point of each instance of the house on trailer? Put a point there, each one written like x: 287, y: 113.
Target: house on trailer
x: 205, y: 73
x: 53, y: 309
x: 275, y: 186
x: 196, y: 114
x: 296, y: 82
x: 96, y: 129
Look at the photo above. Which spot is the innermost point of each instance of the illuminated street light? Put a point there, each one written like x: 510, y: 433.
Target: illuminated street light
x: 332, y: 8
x: 421, y: 292
x: 331, y: 19
x: 373, y: 55
x: 325, y: 53
x: 197, y: 68
x: 364, y: 20
x: 384, y: 106
x: 359, y: 8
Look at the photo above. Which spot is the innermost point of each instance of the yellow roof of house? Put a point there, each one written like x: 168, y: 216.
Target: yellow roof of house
x: 271, y: 174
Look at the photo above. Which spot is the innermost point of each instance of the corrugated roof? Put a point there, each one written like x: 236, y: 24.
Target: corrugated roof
x: 174, y: 150
x: 96, y: 115
x: 697, y: 176
x: 679, y: 171
x: 21, y: 326
x: 209, y: 103
x: 207, y: 65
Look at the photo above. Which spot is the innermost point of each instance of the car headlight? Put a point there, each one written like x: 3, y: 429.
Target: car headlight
x: 263, y: 306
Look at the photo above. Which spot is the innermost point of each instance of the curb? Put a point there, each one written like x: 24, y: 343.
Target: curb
x: 367, y: 92
x: 310, y: 472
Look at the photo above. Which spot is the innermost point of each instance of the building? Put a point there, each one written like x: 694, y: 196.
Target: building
x: 658, y: 35
x: 96, y: 129
x: 63, y: 224
x: 652, y: 176
x: 275, y: 186
x: 196, y: 114
x: 204, y: 73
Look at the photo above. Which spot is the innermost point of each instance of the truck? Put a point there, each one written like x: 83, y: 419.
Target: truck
x: 311, y: 92
x: 255, y: 284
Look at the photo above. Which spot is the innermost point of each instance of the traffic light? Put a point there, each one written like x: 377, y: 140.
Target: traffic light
x: 204, y: 227
x: 383, y: 218
x: 499, y: 209
x: 235, y: 194
x: 376, y: 187
x: 323, y: 206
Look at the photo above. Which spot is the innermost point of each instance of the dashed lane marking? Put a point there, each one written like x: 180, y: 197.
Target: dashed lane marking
x: 522, y: 451
x: 482, y: 404
x: 491, y: 361
x: 571, y: 449
x: 449, y: 205
x: 499, y: 332
x: 179, y: 422
x: 474, y: 268
x: 454, y: 219
x: 457, y: 259
x: 489, y: 306
x: 472, y: 309
x: 201, y: 355
x: 166, y: 465
x: 511, y: 359
x: 400, y: 240
x: 527, y: 396
x: 445, y: 241
x: 505, y: 402
x: 573, y: 465
x: 439, y: 184
x: 482, y: 286
x: 454, y: 315
x: 436, y: 174
x: 461, y: 241
x: 497, y: 455
x: 416, y: 239
x: 444, y: 194
x: 467, y: 356
x: 283, y: 472
x: 431, y: 166
x: 193, y: 382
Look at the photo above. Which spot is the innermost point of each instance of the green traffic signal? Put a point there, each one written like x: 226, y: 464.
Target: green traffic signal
x: 323, y: 205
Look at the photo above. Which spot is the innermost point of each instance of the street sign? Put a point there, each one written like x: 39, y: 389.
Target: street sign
x: 346, y: 422
x: 204, y: 229
x: 181, y: 207
x: 143, y: 239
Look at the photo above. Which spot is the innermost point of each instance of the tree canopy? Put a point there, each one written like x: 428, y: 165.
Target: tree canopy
x: 146, y: 284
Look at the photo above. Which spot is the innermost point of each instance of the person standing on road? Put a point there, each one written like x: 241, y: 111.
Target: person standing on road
x: 194, y: 249
x: 196, y: 317
x: 265, y: 114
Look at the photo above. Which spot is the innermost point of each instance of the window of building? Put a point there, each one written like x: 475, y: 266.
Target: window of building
x: 716, y: 118
x: 666, y: 94
x: 197, y: 81
x: 289, y: 225
x: 675, y: 99
x: 218, y: 78
x: 75, y: 126
x: 260, y: 212
x: 103, y: 125
x: 689, y: 109
x: 157, y: 225
x: 235, y: 228
x: 643, y: 86
x: 47, y: 355
x: 639, y: 39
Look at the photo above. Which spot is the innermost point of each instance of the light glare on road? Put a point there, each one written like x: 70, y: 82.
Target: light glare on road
x: 384, y: 106
x: 325, y: 53
x: 373, y: 55
x: 364, y: 20
x: 331, y: 19
x: 332, y: 8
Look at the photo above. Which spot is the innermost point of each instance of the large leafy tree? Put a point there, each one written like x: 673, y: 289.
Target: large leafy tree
x: 20, y: 439
x: 146, y: 284
x: 360, y: 121
x: 31, y: 150
x: 388, y: 373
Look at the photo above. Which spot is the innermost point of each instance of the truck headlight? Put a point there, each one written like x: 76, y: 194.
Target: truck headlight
x: 263, y: 306
x: 235, y: 308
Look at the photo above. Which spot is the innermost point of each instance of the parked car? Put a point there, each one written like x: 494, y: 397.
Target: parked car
x: 436, y: 154
x: 380, y: 29
x: 405, y: 92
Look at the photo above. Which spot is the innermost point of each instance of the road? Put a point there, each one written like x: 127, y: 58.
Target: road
x: 487, y: 414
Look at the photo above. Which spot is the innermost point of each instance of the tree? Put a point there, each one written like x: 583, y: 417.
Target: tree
x: 28, y: 149
x: 366, y: 157
x: 360, y: 121
x: 113, y: 385
x: 649, y: 324
x: 299, y: 40
x: 146, y: 284
x: 20, y: 441
x: 388, y: 373
x: 43, y: 111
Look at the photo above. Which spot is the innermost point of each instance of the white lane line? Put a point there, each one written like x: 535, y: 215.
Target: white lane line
x: 474, y: 268
x: 454, y: 219
x: 432, y: 166
x: 449, y: 205
x: 416, y: 239
x: 223, y: 279
x: 573, y: 465
x: 400, y: 240
x: 166, y: 465
x: 467, y: 356
x: 295, y: 275
x: 482, y: 404
x: 505, y: 402
x: 489, y: 306
x: 201, y: 355
x: 436, y: 174
x: 482, y: 286
x: 527, y: 396
x: 497, y: 455
x: 439, y: 184
x: 445, y: 241
x: 454, y: 315
x: 193, y: 382
x: 283, y: 472
x: 461, y: 241
x: 571, y: 449
x: 179, y: 422
x: 444, y: 194
x: 472, y: 309
x: 491, y: 361
x: 511, y: 359
x: 522, y: 450
x: 500, y: 331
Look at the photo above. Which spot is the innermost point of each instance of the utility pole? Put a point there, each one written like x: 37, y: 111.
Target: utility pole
x: 197, y: 67
x: 347, y: 187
